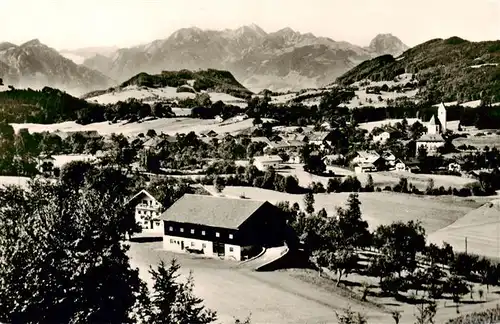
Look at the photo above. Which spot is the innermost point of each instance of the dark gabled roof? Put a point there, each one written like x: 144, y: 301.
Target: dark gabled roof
x: 212, y: 211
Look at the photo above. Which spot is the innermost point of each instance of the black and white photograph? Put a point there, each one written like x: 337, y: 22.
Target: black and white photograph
x: 249, y: 162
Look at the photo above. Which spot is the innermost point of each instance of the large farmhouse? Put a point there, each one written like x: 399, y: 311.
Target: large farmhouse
x: 147, y: 211
x: 221, y: 227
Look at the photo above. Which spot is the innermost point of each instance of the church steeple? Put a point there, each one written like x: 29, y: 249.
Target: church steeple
x: 432, y: 126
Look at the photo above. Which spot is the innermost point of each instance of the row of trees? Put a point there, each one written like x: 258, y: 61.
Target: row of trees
x: 396, y: 253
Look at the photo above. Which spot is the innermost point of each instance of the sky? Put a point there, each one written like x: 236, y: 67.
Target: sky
x: 70, y: 24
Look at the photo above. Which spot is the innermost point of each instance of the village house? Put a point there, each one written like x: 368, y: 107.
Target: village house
x: 221, y: 227
x: 386, y: 135
x: 264, y: 162
x: 208, y: 133
x: 431, y: 143
x: 321, y: 139
x: 367, y: 161
x: 147, y: 211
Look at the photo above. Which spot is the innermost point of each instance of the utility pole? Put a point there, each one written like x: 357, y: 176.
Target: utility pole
x: 466, y: 245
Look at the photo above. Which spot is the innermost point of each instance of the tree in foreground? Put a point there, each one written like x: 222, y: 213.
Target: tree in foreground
x: 173, y: 301
x: 63, y: 262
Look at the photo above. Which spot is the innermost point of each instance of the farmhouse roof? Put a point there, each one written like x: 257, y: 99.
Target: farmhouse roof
x: 141, y: 193
x: 208, y: 132
x: 368, y: 154
x: 268, y: 158
x: 435, y: 138
x: 211, y: 211
x: 318, y: 136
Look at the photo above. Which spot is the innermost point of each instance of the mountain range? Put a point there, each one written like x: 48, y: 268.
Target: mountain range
x: 281, y: 60
x: 36, y: 65
x: 285, y: 59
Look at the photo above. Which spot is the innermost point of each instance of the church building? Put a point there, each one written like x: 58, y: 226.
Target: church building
x: 433, y: 140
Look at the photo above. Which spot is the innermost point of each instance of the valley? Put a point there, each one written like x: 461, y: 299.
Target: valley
x: 277, y: 177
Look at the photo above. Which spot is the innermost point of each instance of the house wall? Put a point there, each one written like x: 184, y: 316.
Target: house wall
x: 148, y: 209
x: 431, y: 147
x: 172, y: 239
x: 263, y: 166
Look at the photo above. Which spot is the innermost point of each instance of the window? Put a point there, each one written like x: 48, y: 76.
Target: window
x: 192, y: 231
x: 231, y: 249
x: 170, y: 228
x: 145, y: 202
x: 192, y: 243
x: 172, y: 241
x: 203, y: 245
x: 202, y: 232
x: 217, y: 234
x: 231, y: 236
x: 157, y: 223
x: 182, y: 230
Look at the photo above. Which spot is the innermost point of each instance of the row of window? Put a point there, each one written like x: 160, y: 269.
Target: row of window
x: 217, y: 234
x: 203, y: 245
x: 146, y: 212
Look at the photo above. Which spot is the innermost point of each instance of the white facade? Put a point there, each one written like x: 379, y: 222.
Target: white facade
x: 147, y: 213
x: 382, y: 137
x: 431, y: 147
x: 179, y: 244
x: 264, y: 162
x: 442, y: 117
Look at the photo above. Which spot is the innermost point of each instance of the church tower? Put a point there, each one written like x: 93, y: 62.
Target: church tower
x: 432, y: 126
x: 442, y: 117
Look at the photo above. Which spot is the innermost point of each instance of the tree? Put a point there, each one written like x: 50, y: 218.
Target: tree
x: 352, y: 229
x: 341, y: 261
x: 333, y: 185
x: 399, y: 243
x: 457, y: 287
x: 396, y: 316
x: 173, y: 301
x: 309, y: 202
x: 370, y: 185
x: 350, y: 317
x: 219, y: 184
x: 314, y: 164
x: 66, y: 247
x: 151, y: 133
x: 426, y: 313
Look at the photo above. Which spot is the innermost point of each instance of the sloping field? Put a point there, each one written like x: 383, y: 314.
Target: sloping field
x: 157, y: 94
x: 481, y: 227
x: 378, y: 208
x: 169, y: 126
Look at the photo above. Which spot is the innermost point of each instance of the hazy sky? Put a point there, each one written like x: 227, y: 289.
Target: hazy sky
x: 80, y: 23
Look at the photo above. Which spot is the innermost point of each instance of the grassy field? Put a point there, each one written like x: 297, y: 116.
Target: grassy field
x: 158, y: 94
x: 481, y: 227
x: 380, y: 179
x: 377, y: 207
x: 479, y: 141
x: 169, y: 126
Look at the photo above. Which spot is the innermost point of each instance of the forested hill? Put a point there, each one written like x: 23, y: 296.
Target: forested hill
x: 42, y: 106
x: 213, y: 80
x: 447, y: 70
